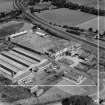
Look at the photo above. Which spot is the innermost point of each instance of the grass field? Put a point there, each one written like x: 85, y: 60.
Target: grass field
x: 8, y: 30
x: 6, y: 5
x: 96, y: 23
x: 66, y: 17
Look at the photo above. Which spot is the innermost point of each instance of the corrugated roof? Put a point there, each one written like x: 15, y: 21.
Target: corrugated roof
x: 20, y: 66
x: 9, y: 66
x: 16, y: 58
x: 31, y: 54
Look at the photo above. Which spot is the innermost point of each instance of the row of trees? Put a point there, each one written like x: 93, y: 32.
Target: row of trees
x: 6, y: 15
x: 71, y: 5
x: 92, y: 10
x: 37, y: 10
x: 75, y: 6
x: 64, y: 4
x: 3, y: 14
x: 78, y: 100
x: 33, y: 2
x: 73, y: 32
x: 79, y: 31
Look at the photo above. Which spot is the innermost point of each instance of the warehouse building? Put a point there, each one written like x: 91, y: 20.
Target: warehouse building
x: 19, y: 62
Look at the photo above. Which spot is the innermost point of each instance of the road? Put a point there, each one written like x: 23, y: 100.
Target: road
x: 59, y: 33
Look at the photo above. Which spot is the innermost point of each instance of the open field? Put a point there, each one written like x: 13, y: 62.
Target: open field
x: 58, y: 92
x: 94, y: 23
x: 65, y: 16
x: 34, y: 41
x: 6, y: 5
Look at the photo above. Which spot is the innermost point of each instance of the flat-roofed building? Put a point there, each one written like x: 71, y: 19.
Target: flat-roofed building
x: 23, y: 57
x: 28, y: 53
x: 16, y: 64
x: 16, y: 58
x: 16, y: 35
x: 7, y: 69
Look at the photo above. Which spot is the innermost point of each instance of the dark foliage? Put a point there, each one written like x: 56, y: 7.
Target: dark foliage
x: 4, y: 81
x: 33, y: 2
x: 11, y: 94
x: 75, y: 6
x: 78, y: 100
x: 8, y: 15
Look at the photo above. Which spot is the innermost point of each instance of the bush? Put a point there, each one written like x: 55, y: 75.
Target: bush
x: 4, y: 81
x: 92, y: 10
x: 78, y: 100
x: 8, y: 15
x: 8, y: 30
x: 71, y: 5
x: 11, y: 94
x: 73, y: 32
x: 75, y: 6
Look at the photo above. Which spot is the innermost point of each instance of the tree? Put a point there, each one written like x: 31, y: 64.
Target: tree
x: 65, y: 101
x: 90, y: 29
x: 96, y: 32
x: 32, y: 9
x: 2, y: 14
x: 59, y: 3
x: 101, y: 101
x: 32, y: 2
x: 104, y: 33
x: 35, y: 94
x: 78, y: 100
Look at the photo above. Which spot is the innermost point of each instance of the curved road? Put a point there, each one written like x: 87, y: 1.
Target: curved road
x: 45, y: 24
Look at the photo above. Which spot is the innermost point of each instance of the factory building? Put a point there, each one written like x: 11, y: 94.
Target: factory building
x: 16, y: 35
x: 74, y: 48
x: 19, y: 63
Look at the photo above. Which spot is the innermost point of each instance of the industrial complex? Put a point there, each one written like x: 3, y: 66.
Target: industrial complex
x: 46, y: 61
